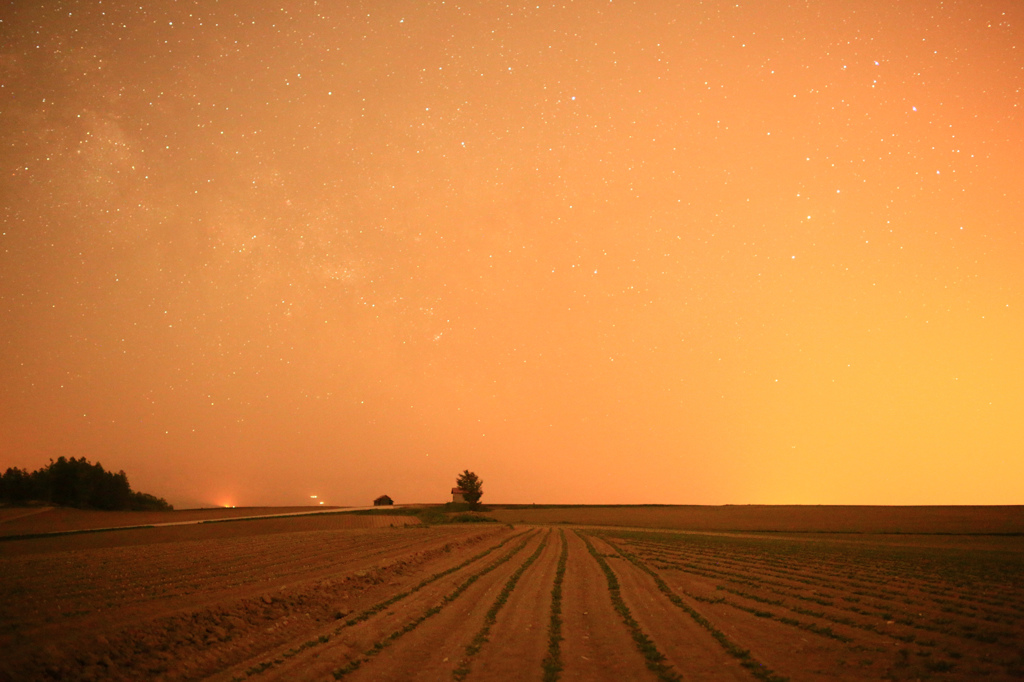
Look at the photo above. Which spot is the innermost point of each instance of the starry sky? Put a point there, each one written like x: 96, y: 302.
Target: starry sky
x: 597, y: 252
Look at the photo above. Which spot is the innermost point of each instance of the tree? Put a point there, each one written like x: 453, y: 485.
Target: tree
x: 471, y: 486
x: 75, y: 483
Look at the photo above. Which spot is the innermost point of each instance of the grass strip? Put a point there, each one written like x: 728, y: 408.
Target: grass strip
x: 373, y: 610
x: 477, y: 643
x: 552, y: 664
x: 432, y: 611
x: 759, y: 670
x: 655, y: 659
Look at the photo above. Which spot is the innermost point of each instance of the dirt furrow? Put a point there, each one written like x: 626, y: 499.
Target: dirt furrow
x: 798, y: 656
x: 423, y: 639
x: 367, y: 622
x: 687, y: 646
x: 893, y: 590
x: 597, y: 646
x: 938, y: 645
x: 519, y: 638
x: 88, y: 573
x: 98, y: 611
x: 204, y: 635
x: 154, y: 576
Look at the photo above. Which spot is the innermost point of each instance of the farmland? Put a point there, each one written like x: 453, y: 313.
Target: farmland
x: 386, y: 597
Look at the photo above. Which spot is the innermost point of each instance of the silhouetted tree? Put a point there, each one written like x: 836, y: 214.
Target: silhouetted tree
x: 472, y: 487
x: 75, y: 483
x: 17, y: 486
x: 146, y: 502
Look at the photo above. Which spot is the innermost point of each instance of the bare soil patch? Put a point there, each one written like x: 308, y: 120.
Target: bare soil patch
x: 597, y: 646
x: 435, y: 649
x: 8, y: 514
x: 688, y: 647
x: 519, y: 638
x: 826, y: 611
x: 226, y: 529
x: 179, y: 608
x: 784, y: 518
x: 14, y: 520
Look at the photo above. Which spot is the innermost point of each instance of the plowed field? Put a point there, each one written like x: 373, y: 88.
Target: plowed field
x: 308, y: 599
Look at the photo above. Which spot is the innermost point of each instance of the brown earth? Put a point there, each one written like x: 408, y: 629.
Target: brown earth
x: 866, y: 617
x: 783, y: 518
x: 33, y: 520
x: 687, y: 646
x: 437, y: 646
x: 311, y: 597
x: 10, y: 513
x: 519, y: 639
x: 175, y: 603
x: 596, y: 646
x: 348, y: 638
x: 12, y: 545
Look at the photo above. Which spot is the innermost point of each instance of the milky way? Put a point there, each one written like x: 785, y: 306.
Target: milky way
x: 594, y: 251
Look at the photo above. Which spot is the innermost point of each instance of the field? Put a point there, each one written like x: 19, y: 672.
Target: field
x: 1003, y: 520
x: 31, y: 520
x: 388, y: 598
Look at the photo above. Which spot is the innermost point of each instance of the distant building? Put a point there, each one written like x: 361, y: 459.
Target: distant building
x: 383, y: 501
x: 459, y: 495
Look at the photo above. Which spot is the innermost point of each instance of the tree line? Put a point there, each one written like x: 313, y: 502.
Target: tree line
x: 76, y: 483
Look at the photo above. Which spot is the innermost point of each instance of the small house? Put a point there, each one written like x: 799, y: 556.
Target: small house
x: 383, y: 501
x: 459, y: 495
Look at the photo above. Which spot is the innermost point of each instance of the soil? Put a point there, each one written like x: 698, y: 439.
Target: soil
x: 597, y: 645
x: 855, y: 620
x: 438, y: 645
x: 344, y: 639
x: 303, y: 597
x: 34, y: 520
x: 519, y: 639
x: 60, y: 614
x: 687, y: 646
x: 783, y: 518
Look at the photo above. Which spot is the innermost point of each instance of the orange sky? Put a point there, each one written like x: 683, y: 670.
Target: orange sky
x: 596, y: 252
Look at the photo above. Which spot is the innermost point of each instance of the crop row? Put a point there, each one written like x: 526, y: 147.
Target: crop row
x: 57, y: 590
x: 910, y: 594
x: 156, y: 567
x: 549, y: 667
x: 748, y: 586
x: 227, y: 625
x: 888, y: 613
x: 480, y: 638
x: 552, y: 663
x: 368, y: 613
x: 382, y: 644
x: 934, y: 572
x: 758, y: 669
